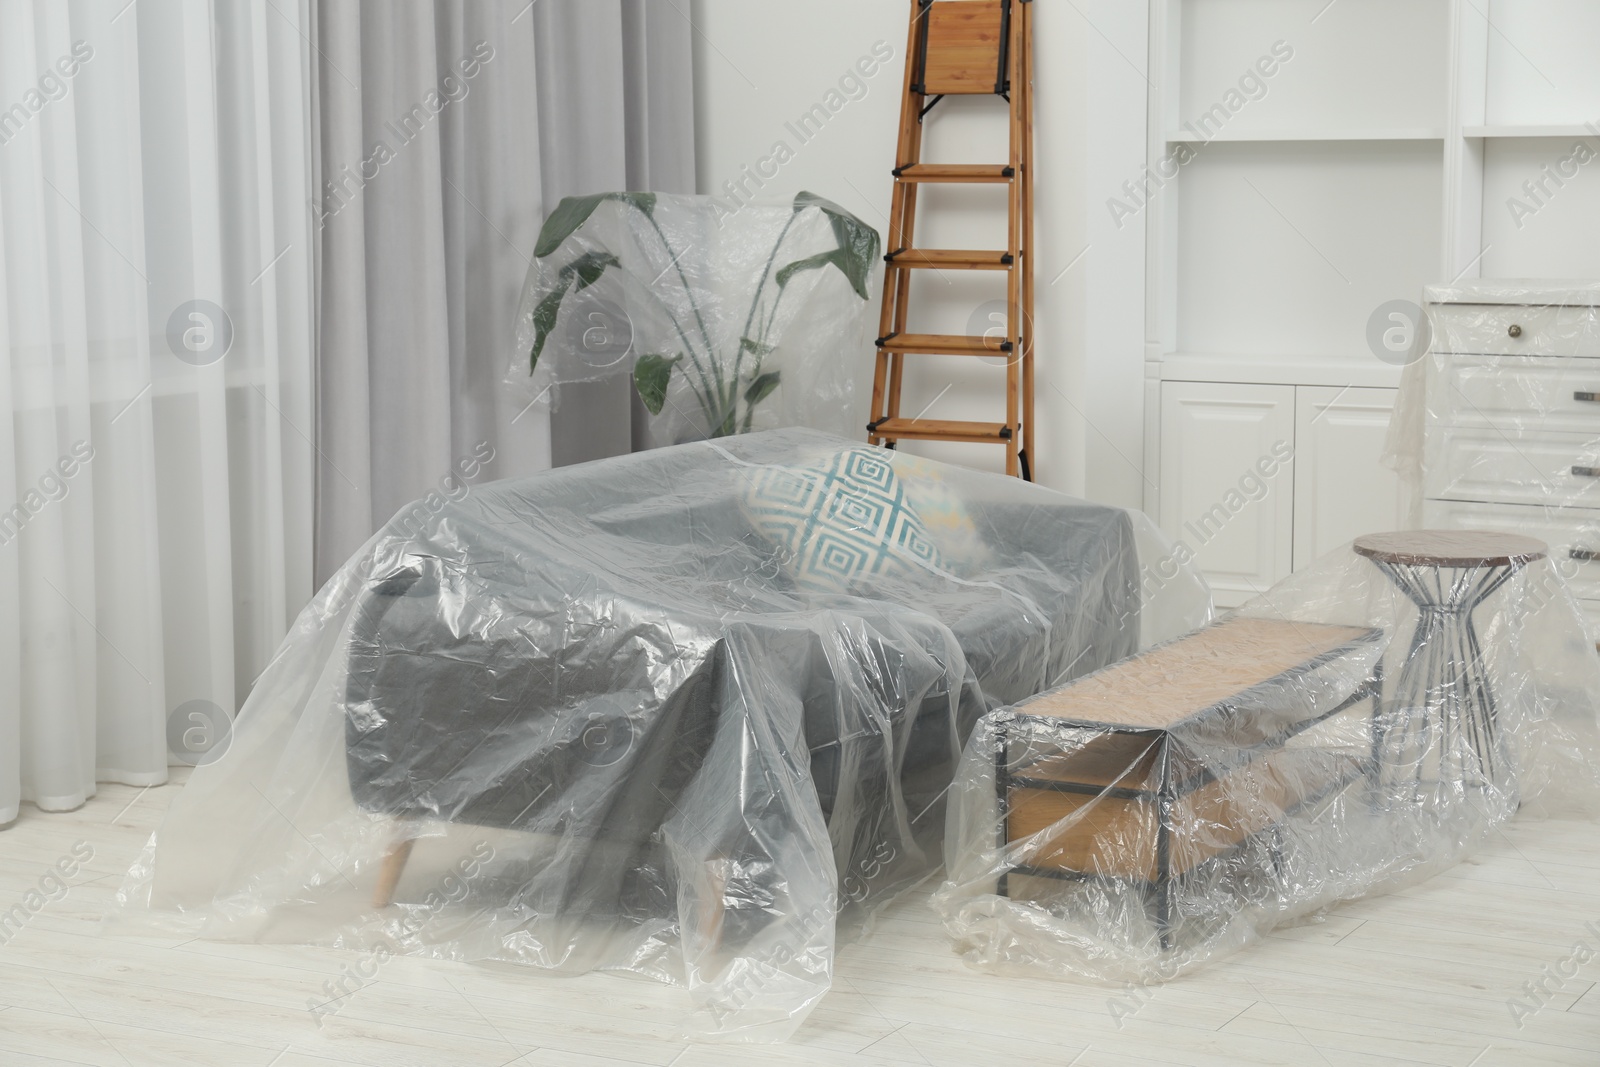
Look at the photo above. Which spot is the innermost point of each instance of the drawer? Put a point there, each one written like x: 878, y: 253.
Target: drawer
x: 1515, y: 397
x: 1571, y: 535
x: 1559, y: 470
x: 1515, y: 329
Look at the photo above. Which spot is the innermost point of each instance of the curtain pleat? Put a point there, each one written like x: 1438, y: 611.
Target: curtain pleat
x: 155, y: 499
x: 425, y: 250
x: 616, y: 111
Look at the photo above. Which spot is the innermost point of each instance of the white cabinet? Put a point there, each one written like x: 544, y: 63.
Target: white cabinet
x: 1227, y: 486
x: 1286, y: 226
x: 1511, y: 425
x: 1341, y: 487
x: 1258, y: 480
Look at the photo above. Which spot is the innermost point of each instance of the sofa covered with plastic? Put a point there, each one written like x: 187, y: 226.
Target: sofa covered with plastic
x: 686, y: 713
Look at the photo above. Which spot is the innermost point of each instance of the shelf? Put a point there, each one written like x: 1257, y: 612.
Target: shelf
x: 1291, y: 249
x: 1569, y: 130
x: 1247, y: 137
x: 1225, y: 136
x: 1334, y: 371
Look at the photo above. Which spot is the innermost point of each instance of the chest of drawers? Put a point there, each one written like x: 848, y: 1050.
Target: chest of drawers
x: 1511, y: 420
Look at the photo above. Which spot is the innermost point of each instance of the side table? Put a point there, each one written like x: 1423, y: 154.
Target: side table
x: 1440, y: 713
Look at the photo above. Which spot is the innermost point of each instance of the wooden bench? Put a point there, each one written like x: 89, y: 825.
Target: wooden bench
x: 1143, y: 772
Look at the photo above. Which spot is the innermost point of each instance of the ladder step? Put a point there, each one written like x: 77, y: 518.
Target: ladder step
x: 938, y: 430
x: 950, y: 259
x: 942, y: 344
x: 955, y: 172
x: 964, y: 47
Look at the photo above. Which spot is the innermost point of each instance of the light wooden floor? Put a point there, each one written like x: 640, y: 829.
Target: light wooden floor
x: 1423, y: 976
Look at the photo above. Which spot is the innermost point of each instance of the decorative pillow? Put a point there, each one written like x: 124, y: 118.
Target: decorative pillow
x: 840, y: 521
x: 943, y: 514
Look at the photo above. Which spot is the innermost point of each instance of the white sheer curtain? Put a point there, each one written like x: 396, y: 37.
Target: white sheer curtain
x: 155, y: 511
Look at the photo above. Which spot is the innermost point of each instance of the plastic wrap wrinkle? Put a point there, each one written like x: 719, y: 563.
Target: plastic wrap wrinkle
x: 1365, y: 724
x: 692, y: 713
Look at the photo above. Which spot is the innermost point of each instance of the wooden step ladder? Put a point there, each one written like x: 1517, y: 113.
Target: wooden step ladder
x: 962, y: 48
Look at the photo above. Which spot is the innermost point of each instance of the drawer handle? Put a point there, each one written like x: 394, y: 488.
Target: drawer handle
x: 1515, y: 331
x: 1587, y: 398
x: 1583, y: 555
x: 1586, y: 472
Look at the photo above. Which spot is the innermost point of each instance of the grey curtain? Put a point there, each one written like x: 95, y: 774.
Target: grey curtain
x: 445, y: 131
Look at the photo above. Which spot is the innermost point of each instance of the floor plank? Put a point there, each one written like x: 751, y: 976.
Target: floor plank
x: 1430, y: 975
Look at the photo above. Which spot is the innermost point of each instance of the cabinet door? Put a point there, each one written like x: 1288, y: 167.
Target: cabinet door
x: 1227, y: 482
x: 1342, y: 489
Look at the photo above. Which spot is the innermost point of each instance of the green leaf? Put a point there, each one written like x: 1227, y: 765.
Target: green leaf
x: 859, y: 243
x: 838, y: 258
x: 590, y: 266
x: 650, y: 376
x: 645, y: 202
x: 544, y: 319
x: 756, y: 348
x: 761, y: 388
x: 574, y: 211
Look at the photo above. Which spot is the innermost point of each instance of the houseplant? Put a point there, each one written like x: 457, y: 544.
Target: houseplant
x: 723, y: 321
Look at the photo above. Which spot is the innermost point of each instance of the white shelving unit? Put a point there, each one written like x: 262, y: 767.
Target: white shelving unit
x: 1337, y: 157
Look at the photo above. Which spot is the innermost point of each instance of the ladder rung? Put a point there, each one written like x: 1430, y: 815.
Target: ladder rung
x: 950, y: 259
x: 955, y: 172
x: 943, y: 344
x: 938, y: 430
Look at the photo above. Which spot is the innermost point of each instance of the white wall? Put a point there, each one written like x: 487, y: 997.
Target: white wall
x: 762, y: 63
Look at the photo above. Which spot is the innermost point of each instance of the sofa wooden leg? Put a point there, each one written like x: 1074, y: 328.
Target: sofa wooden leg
x: 712, y: 909
x: 394, y: 864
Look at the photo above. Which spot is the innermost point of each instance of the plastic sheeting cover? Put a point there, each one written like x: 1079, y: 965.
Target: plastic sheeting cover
x: 685, y: 713
x: 1339, y: 736
x: 725, y: 321
x: 1497, y: 368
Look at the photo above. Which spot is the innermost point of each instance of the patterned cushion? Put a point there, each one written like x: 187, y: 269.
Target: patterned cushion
x: 940, y: 507
x: 842, y: 521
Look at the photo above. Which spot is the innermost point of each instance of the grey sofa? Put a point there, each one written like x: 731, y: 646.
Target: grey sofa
x: 594, y: 654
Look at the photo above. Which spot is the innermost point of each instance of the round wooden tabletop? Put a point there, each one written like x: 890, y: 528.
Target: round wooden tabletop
x: 1451, y: 548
